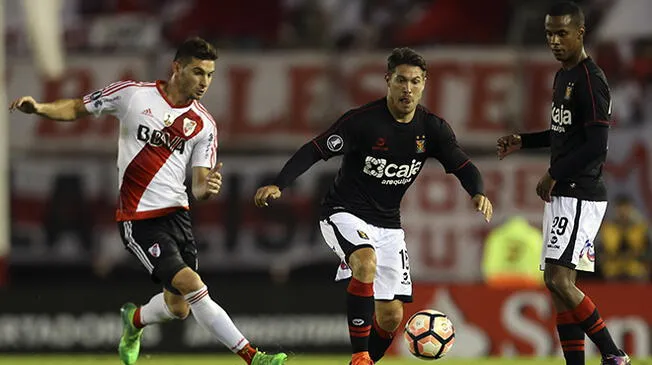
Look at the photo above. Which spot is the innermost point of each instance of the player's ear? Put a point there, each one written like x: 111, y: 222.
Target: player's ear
x: 388, y: 77
x: 176, y: 67
x: 581, y: 31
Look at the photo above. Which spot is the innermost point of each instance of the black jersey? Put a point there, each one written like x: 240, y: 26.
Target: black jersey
x: 580, y: 99
x: 382, y: 158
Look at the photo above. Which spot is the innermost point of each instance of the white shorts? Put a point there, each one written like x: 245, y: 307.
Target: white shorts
x: 344, y: 233
x: 570, y: 226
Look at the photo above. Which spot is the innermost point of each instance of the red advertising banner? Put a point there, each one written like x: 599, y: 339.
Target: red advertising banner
x: 276, y: 100
x: 504, y: 322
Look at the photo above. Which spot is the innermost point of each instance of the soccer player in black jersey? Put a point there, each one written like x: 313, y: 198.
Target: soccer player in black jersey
x: 573, y: 188
x: 384, y: 145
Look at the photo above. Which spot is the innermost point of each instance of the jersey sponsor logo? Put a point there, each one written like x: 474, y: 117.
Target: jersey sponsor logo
x: 189, y: 126
x: 380, y: 145
x: 363, y: 235
x: 561, y: 117
x: 335, y: 143
x: 154, y: 250
x: 391, y: 173
x: 159, y: 138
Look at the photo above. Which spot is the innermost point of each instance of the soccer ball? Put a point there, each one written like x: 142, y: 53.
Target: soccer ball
x: 429, y: 334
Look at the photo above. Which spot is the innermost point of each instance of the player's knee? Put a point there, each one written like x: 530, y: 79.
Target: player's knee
x: 558, y: 283
x: 389, y: 320
x: 187, y: 281
x: 363, y: 264
x: 180, y: 310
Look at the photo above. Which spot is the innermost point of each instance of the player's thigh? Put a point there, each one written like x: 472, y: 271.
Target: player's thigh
x: 345, y: 233
x: 570, y: 226
x: 182, y: 231
x: 393, y: 278
x: 153, y: 244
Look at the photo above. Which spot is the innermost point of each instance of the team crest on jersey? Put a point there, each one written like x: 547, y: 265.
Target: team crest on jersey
x: 363, y: 235
x: 167, y: 119
x: 421, y: 144
x: 188, y: 126
x: 154, y: 250
x: 569, y: 91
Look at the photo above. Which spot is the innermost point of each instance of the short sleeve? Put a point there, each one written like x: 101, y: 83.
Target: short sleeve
x: 443, y: 146
x: 113, y: 99
x: 594, y: 99
x: 338, y: 139
x: 204, y: 154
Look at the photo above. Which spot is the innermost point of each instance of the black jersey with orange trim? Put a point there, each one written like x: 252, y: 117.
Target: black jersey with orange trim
x: 382, y: 158
x: 581, y: 98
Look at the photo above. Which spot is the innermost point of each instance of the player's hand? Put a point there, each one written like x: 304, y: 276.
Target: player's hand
x: 266, y: 192
x: 483, y: 205
x: 508, y: 144
x: 25, y: 104
x: 214, y: 180
x: 544, y: 187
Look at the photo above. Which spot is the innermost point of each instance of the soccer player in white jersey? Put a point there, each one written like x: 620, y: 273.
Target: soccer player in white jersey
x: 163, y: 128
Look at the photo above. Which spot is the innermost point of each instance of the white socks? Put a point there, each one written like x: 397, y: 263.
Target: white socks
x: 155, y: 311
x: 215, y: 320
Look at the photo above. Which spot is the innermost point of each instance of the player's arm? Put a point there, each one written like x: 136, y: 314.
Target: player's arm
x: 206, y: 182
x: 458, y: 163
x: 335, y: 141
x: 595, y: 100
x: 299, y: 163
x: 514, y: 142
x: 206, y: 171
x: 61, y: 110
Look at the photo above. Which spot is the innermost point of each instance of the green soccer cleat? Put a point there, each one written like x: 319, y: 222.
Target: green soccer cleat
x: 261, y: 358
x: 130, y: 340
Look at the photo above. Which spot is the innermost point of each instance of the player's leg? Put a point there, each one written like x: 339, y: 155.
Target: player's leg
x: 181, y: 278
x: 571, y: 334
x: 387, y: 318
x: 360, y: 302
x: 149, y: 244
x: 392, y: 287
x: 352, y: 239
x: 569, y: 246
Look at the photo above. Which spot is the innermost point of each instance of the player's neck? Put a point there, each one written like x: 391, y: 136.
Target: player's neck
x: 172, y: 93
x: 575, y: 60
x: 400, y: 117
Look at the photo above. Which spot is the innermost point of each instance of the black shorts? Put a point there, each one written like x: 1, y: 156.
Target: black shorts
x: 163, y: 245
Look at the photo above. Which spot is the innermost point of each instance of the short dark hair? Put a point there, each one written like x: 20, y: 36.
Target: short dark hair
x: 195, y: 47
x: 404, y: 56
x: 568, y: 8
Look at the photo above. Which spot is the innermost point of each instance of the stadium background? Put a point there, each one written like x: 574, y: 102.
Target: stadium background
x: 287, y: 69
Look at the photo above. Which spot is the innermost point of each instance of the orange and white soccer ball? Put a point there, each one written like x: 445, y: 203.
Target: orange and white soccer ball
x: 429, y: 334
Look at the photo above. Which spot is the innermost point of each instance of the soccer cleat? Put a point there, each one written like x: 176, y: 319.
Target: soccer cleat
x: 261, y: 358
x: 361, y: 358
x: 621, y: 359
x: 130, y: 341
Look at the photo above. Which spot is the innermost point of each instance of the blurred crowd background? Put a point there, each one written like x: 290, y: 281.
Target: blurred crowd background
x: 287, y: 70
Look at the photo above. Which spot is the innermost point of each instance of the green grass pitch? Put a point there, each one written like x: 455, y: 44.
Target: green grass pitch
x: 295, y: 359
